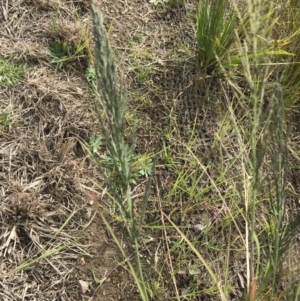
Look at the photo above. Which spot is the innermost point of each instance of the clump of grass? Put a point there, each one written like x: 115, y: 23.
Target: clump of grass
x: 216, y: 26
x: 10, y: 72
x: 71, y: 42
x: 249, y: 180
x: 267, y: 164
x: 111, y: 110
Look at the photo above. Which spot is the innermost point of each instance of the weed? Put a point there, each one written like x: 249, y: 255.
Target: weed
x: 10, y: 72
x: 60, y: 52
x: 69, y: 47
x: 95, y: 143
x: 141, y: 166
x: 111, y: 110
x: 90, y: 74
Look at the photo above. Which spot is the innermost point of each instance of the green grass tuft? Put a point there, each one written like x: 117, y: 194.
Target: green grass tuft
x: 10, y: 72
x: 216, y: 27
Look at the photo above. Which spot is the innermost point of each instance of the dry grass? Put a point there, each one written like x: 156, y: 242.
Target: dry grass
x: 48, y: 183
x: 43, y: 166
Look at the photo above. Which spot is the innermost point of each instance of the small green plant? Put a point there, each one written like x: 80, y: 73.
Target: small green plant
x: 95, y: 143
x: 90, y: 74
x: 216, y: 26
x: 141, y: 166
x: 60, y: 52
x: 10, y: 72
x: 64, y: 51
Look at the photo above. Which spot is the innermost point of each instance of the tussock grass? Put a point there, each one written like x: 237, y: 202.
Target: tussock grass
x: 216, y: 28
x: 71, y: 41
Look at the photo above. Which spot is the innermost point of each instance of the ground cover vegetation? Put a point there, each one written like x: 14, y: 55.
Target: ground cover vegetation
x: 150, y: 150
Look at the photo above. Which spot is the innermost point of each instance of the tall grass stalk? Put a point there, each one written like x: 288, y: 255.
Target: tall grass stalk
x: 279, y: 167
x: 111, y: 109
x: 255, y: 77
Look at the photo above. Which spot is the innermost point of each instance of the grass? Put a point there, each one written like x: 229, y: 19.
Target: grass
x: 218, y: 219
x: 67, y: 48
x: 216, y: 32
x: 10, y: 72
x: 290, y: 41
x: 4, y: 119
x: 244, y: 190
x: 111, y: 111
